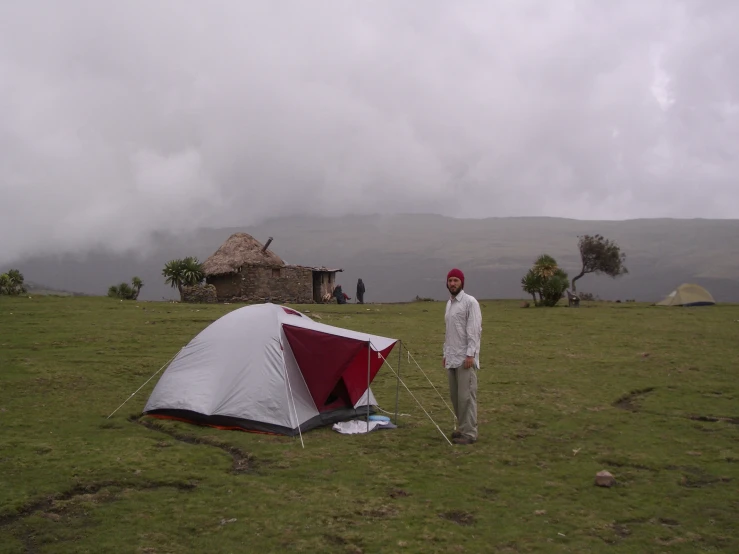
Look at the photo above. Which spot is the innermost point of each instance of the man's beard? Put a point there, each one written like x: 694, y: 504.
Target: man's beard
x: 453, y: 293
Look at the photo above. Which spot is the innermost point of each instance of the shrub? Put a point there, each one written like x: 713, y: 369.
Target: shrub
x: 124, y: 291
x: 546, y: 280
x: 11, y: 283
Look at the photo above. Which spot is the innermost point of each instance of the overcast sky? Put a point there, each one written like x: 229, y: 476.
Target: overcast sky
x: 117, y: 118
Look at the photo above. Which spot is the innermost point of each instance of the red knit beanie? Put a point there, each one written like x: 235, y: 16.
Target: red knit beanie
x: 456, y: 273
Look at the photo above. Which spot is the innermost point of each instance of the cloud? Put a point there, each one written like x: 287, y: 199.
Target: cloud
x: 120, y: 119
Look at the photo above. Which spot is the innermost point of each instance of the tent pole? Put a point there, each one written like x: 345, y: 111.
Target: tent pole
x: 397, y: 384
x: 369, y: 361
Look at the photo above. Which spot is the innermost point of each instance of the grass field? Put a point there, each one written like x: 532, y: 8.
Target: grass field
x: 650, y: 394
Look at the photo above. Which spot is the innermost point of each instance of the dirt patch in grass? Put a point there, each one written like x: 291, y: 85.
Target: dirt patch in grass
x: 715, y: 419
x: 488, y: 493
x: 521, y: 434
x: 350, y: 545
x: 619, y: 463
x: 110, y: 425
x: 91, y: 492
x: 630, y: 401
x: 621, y: 530
x: 695, y: 477
x: 459, y: 517
x: 335, y: 540
x: 701, y: 479
x: 242, y: 462
x: 503, y: 548
x: 398, y: 493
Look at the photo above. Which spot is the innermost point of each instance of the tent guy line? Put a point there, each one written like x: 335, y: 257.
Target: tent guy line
x: 410, y: 356
x: 417, y: 401
x: 142, y: 386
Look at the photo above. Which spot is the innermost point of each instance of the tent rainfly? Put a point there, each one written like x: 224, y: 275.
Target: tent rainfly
x: 688, y: 295
x: 268, y: 368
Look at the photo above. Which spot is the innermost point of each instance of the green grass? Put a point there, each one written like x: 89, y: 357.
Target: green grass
x: 563, y: 393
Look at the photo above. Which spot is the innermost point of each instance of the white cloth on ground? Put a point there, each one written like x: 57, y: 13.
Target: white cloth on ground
x: 356, y: 426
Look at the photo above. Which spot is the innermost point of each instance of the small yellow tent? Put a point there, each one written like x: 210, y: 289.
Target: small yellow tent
x: 688, y: 295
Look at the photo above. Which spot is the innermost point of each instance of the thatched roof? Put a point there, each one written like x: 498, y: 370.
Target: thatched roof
x: 240, y: 249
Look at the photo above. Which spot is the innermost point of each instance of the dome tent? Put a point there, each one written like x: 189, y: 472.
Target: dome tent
x: 688, y: 295
x: 269, y: 368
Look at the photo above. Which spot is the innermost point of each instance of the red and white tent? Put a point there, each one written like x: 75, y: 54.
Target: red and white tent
x: 269, y: 368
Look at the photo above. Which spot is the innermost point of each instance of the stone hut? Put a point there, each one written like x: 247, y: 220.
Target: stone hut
x: 244, y: 270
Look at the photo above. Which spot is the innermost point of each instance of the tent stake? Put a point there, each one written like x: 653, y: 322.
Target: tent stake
x: 397, y: 383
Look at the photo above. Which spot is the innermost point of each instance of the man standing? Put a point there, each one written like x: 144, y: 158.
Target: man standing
x: 463, y: 321
x: 360, y: 291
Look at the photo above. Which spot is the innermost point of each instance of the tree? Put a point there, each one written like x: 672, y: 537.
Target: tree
x: 124, y: 291
x: 186, y: 272
x: 11, y: 283
x: 172, y: 273
x: 599, y: 255
x: 546, y: 279
x: 4, y: 283
x: 545, y: 266
x: 192, y: 271
x: 554, y: 287
x: 531, y: 284
x: 136, y: 283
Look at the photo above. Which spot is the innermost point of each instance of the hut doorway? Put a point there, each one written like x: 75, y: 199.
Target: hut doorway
x: 317, y: 296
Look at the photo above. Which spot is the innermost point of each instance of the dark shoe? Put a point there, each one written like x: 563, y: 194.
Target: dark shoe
x: 464, y: 440
x: 456, y: 434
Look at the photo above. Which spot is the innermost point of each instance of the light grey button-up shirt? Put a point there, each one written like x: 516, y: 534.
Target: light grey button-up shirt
x: 463, y: 330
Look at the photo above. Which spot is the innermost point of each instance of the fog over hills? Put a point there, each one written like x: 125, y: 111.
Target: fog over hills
x: 402, y: 256
x: 137, y: 132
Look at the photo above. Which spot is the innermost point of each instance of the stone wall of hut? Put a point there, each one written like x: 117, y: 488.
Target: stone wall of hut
x: 200, y: 294
x: 266, y: 284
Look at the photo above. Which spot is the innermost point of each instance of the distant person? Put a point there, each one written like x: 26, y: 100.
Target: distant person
x: 360, y: 292
x: 463, y: 321
x: 340, y: 295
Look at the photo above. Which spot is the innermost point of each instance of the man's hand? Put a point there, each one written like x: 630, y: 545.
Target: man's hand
x: 469, y: 361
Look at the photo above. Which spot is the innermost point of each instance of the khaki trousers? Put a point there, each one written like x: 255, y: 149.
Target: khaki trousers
x: 463, y: 392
